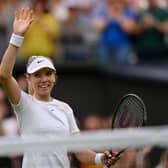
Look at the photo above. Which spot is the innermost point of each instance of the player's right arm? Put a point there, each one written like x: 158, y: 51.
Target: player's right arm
x: 22, y: 21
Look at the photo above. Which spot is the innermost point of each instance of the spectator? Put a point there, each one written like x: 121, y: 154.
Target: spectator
x: 136, y: 5
x: 41, y: 37
x: 74, y: 46
x: 10, y: 7
x: 8, y: 127
x: 3, y: 28
x: 154, y: 155
x: 163, y: 160
x: 22, y: 81
x: 59, y: 10
x: 8, y: 122
x: 7, y: 9
x: 152, y: 27
x: 115, y: 23
x: 93, y: 122
x: 87, y: 9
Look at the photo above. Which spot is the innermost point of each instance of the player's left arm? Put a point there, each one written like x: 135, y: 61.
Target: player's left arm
x: 105, y: 158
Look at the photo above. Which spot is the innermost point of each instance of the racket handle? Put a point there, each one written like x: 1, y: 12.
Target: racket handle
x: 120, y: 152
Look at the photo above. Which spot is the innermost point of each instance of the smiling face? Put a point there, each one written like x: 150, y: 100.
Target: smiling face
x: 42, y: 82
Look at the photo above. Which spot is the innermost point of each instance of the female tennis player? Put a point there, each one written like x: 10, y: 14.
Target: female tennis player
x: 38, y: 113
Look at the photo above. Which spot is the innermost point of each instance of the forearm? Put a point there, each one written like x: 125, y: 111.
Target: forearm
x: 86, y: 156
x: 106, y: 158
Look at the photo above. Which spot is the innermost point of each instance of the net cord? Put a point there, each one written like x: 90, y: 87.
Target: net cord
x: 99, y: 140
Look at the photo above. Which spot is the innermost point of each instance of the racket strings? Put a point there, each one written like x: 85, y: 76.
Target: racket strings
x: 130, y: 113
x: 136, y: 107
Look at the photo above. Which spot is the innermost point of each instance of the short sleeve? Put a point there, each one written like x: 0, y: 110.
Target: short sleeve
x: 22, y: 102
x: 72, y: 122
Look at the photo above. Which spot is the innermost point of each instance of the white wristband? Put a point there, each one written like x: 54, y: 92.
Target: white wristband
x: 16, y: 40
x: 98, y: 158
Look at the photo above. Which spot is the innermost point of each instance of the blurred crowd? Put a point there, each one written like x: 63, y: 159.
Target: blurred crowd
x: 108, y: 31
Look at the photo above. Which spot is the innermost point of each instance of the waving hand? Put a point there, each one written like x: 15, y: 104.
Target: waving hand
x: 22, y: 21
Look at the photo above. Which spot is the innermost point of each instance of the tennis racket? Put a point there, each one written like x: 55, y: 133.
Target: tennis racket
x: 129, y: 112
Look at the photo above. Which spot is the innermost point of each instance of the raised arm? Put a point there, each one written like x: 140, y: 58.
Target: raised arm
x: 22, y: 21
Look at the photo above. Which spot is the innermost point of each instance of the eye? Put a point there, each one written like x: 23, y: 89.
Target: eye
x: 49, y: 73
x: 37, y: 75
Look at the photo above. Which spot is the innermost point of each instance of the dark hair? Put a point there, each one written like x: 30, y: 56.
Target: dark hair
x: 44, y: 4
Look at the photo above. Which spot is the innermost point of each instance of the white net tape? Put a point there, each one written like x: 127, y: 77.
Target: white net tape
x: 107, y: 139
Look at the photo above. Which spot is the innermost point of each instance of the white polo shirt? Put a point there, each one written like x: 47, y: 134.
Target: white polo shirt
x: 39, y: 118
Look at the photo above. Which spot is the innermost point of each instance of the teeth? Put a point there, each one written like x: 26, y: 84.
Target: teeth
x: 44, y: 86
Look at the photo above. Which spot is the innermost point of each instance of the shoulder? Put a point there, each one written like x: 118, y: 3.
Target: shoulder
x: 25, y: 102
x: 25, y: 96
x: 62, y: 105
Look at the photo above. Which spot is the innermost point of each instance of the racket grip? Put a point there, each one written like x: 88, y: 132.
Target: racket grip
x: 117, y: 155
x: 120, y: 152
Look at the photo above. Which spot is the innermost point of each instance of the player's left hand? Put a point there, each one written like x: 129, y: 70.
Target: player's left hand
x: 109, y: 158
